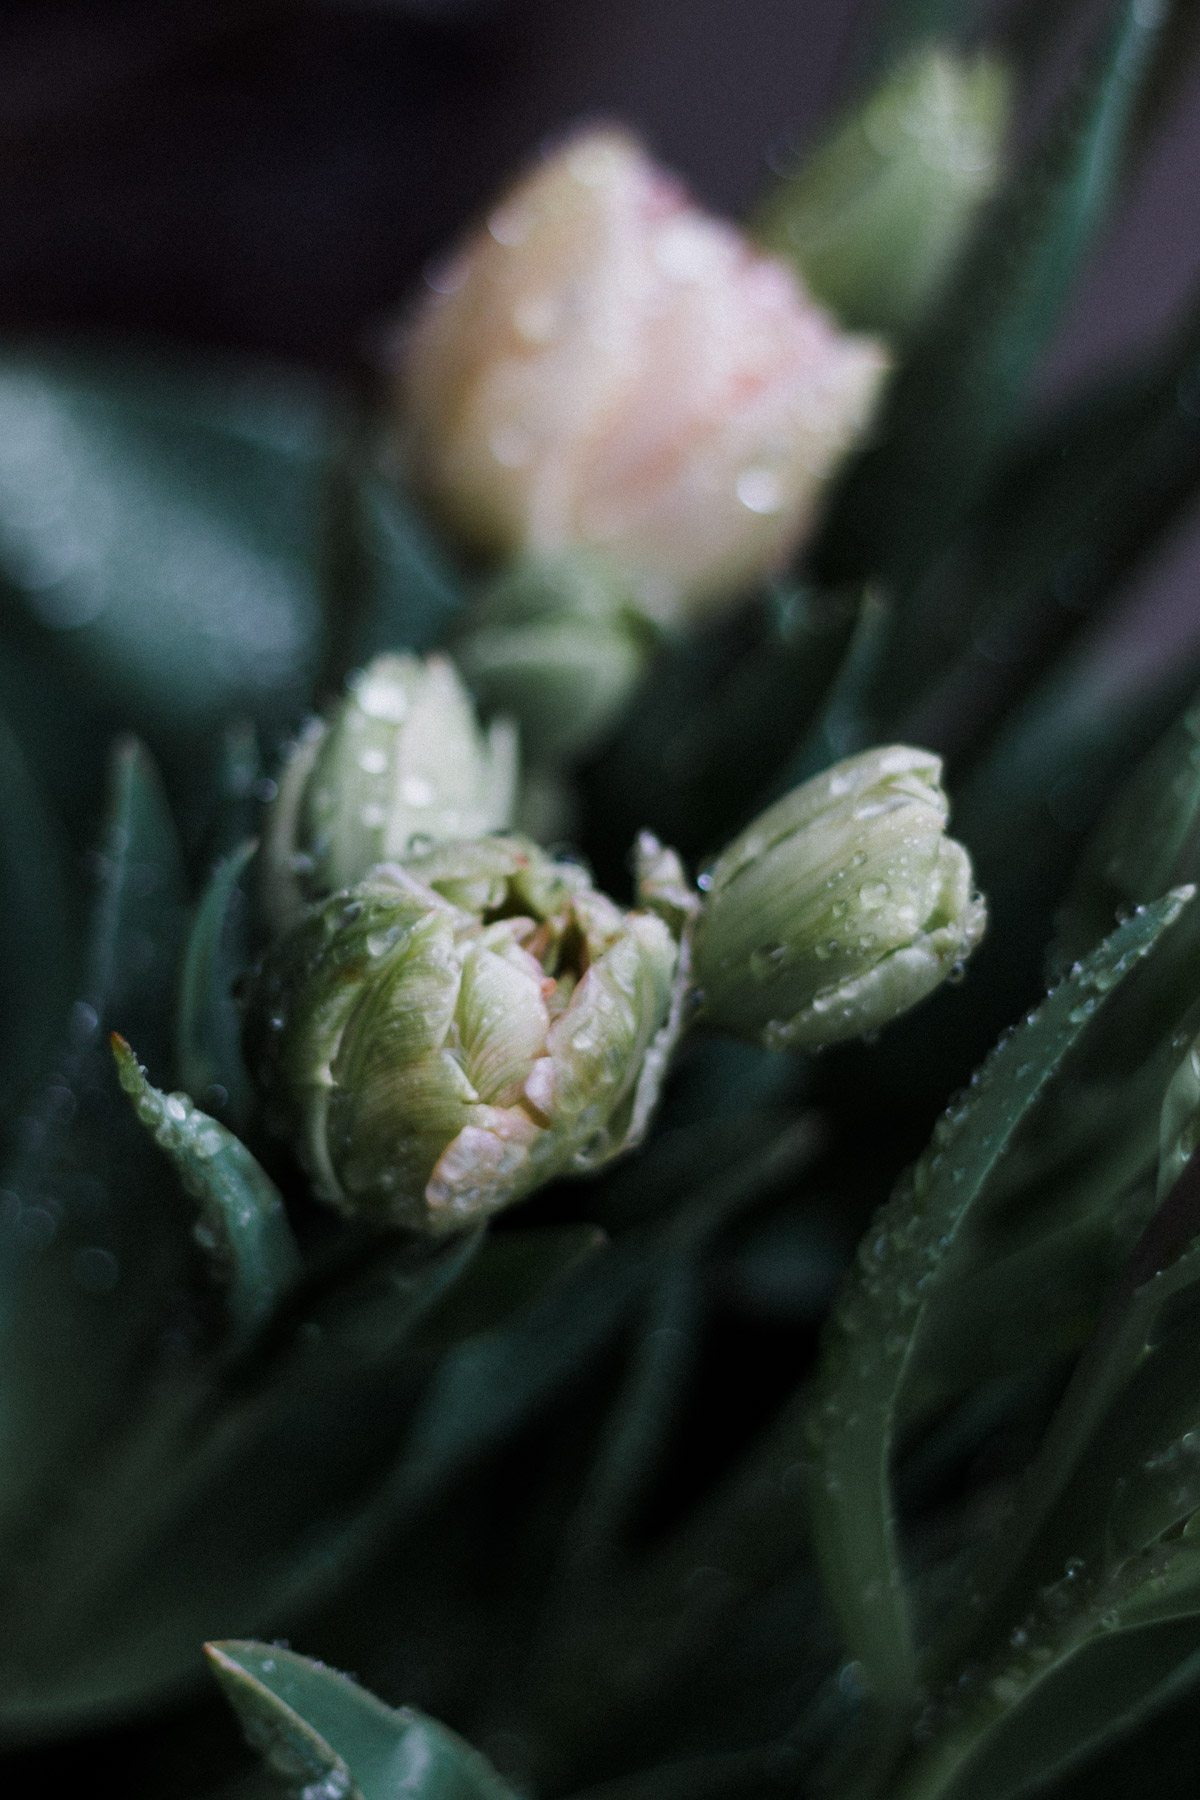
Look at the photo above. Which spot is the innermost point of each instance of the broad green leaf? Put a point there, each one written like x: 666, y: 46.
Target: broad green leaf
x: 875, y: 1331
x: 161, y: 526
x: 208, y: 1025
x: 39, y: 949
x: 950, y: 409
x: 243, y: 1227
x: 325, y: 1738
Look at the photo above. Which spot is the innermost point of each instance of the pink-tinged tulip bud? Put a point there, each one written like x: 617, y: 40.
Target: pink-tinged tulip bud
x: 606, y: 366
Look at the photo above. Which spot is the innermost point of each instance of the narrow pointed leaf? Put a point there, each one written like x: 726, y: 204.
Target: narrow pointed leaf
x: 876, y: 1328
x: 323, y: 1735
x: 208, y: 1024
x: 243, y: 1226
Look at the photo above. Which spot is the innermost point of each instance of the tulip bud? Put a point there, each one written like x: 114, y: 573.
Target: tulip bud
x: 454, y: 1032
x: 400, y: 761
x: 606, y: 367
x: 839, y: 908
x: 875, y: 217
x: 556, y: 644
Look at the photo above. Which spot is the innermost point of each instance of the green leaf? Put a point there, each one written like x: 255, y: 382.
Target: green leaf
x: 325, y: 1738
x: 949, y: 411
x: 90, y: 1259
x: 701, y: 747
x: 1147, y: 840
x: 1033, y: 1716
x: 208, y: 1025
x: 905, y: 1258
x: 243, y: 1227
x: 1079, y: 507
x: 393, y: 587
x: 161, y: 527
x: 39, y: 947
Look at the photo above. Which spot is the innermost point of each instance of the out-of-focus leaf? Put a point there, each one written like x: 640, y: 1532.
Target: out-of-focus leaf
x: 38, y: 950
x: 1031, y: 1717
x: 243, y: 1227
x: 481, y: 1393
x: 393, y: 586
x: 1147, y: 841
x: 904, y: 24
x: 701, y: 746
x: 208, y: 1026
x: 949, y: 411
x: 1080, y: 506
x: 875, y: 1331
x: 90, y: 1255
x: 323, y: 1735
x: 847, y: 719
x: 163, y: 528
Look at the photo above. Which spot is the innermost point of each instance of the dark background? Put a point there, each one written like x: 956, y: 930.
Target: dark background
x: 270, y: 177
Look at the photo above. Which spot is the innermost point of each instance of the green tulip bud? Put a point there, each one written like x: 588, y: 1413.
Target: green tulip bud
x: 452, y: 1033
x: 556, y: 643
x: 839, y: 908
x: 401, y: 760
x: 875, y: 217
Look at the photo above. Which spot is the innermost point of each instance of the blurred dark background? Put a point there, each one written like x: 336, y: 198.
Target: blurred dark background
x: 271, y: 176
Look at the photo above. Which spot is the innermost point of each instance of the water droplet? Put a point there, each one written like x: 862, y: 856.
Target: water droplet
x: 416, y: 791
x: 373, y: 762
x: 760, y: 491
x: 767, y: 960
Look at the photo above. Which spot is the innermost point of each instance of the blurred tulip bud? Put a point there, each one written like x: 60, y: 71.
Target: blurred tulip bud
x: 445, y: 1037
x: 401, y: 761
x: 839, y: 908
x: 556, y: 644
x: 605, y: 366
x: 874, y: 218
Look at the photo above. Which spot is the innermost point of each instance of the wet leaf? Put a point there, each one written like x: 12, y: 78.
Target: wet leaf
x: 906, y: 1257
x: 208, y: 1024
x: 325, y: 1738
x: 243, y: 1227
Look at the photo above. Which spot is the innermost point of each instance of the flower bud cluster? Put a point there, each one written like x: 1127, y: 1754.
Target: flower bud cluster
x: 451, y: 1033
